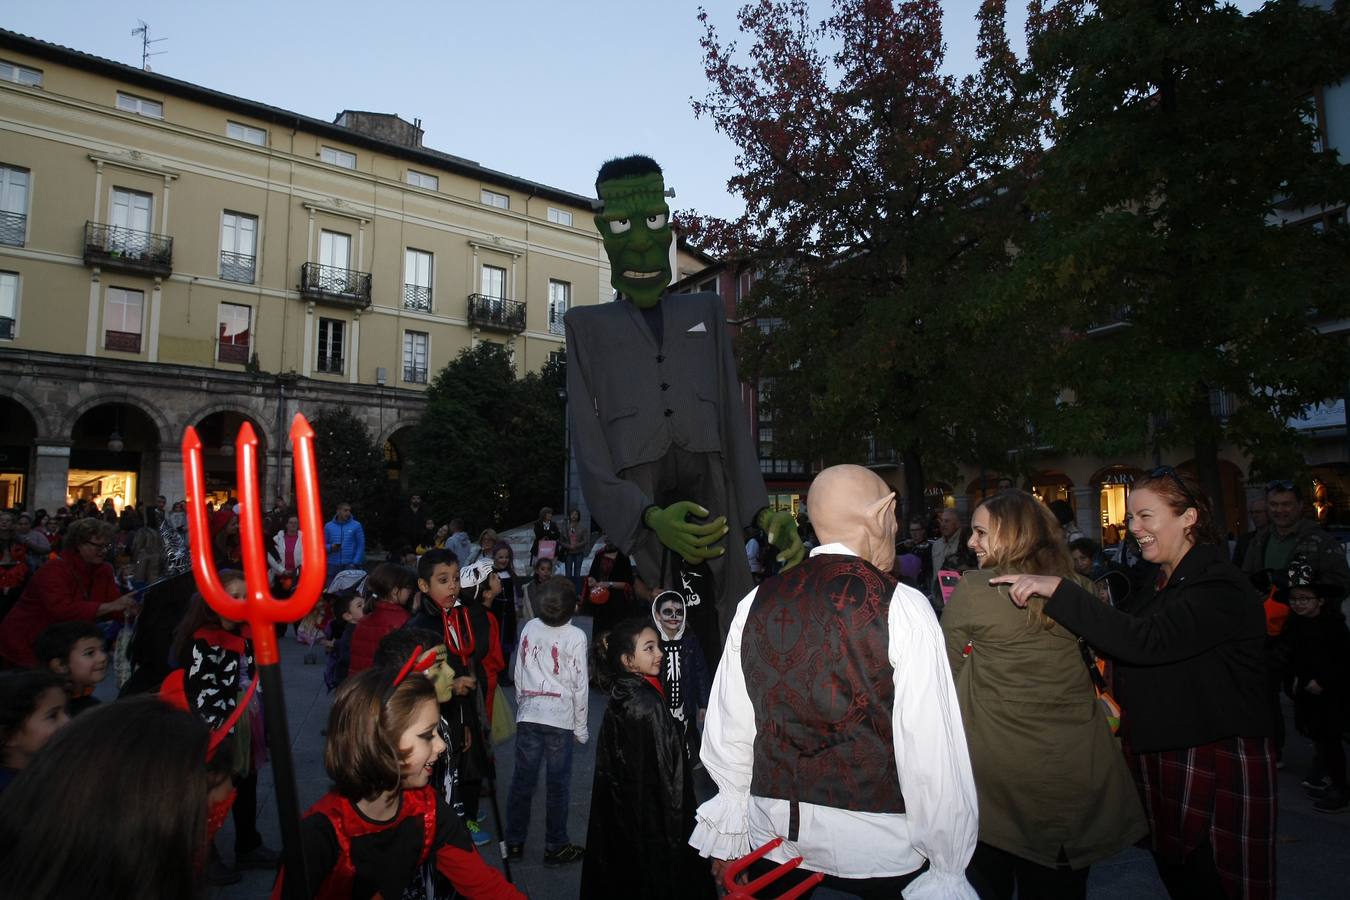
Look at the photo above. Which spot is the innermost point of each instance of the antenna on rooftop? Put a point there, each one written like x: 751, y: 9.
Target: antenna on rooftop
x: 144, y: 31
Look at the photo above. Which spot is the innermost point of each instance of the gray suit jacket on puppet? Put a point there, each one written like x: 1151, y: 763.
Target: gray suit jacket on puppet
x: 632, y: 400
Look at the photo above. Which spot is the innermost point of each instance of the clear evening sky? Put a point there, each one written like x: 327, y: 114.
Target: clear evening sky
x: 542, y: 90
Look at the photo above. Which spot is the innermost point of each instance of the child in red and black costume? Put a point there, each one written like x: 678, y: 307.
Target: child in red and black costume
x: 383, y: 831
x: 455, y: 606
x: 216, y: 657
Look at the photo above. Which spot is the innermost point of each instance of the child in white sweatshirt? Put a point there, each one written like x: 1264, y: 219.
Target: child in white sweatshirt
x: 552, y: 690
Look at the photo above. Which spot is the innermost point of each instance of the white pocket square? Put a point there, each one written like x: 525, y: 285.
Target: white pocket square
x: 700, y: 327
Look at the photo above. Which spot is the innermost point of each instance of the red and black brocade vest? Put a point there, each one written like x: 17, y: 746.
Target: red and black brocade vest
x: 348, y: 825
x: 814, y: 653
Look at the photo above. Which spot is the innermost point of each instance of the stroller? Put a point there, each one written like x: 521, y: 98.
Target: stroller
x: 322, y: 624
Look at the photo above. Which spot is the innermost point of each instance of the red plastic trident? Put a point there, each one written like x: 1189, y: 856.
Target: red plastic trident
x: 259, y: 608
x: 747, y: 891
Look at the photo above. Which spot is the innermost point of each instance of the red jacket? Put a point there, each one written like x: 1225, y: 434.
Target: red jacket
x: 384, y: 618
x: 67, y: 589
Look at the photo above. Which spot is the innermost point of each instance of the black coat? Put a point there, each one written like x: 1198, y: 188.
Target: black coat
x: 1319, y: 650
x: 1189, y: 659
x: 642, y: 804
x: 410, y: 522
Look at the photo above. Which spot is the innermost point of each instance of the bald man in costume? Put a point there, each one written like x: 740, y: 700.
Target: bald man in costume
x: 834, y: 722
x: 667, y: 461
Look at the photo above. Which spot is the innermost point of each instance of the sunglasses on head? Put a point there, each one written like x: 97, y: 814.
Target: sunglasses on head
x: 1279, y: 486
x: 1169, y: 472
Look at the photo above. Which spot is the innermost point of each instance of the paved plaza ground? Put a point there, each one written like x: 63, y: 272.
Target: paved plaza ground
x: 1314, y: 849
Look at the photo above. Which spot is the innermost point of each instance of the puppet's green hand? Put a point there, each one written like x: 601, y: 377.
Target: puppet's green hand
x: 781, y: 528
x: 689, y: 539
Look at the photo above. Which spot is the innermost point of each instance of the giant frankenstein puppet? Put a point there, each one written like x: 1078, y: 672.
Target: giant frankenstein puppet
x: 666, y: 457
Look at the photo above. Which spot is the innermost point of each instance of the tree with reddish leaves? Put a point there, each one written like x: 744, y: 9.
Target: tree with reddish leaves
x: 881, y: 197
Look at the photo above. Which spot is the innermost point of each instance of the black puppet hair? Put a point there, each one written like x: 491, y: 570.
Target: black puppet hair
x: 396, y: 646
x: 626, y: 167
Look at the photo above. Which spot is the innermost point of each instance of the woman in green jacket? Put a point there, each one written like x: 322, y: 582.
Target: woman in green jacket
x: 1055, y: 794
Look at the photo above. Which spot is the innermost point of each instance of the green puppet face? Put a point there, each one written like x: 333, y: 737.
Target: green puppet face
x: 635, y: 227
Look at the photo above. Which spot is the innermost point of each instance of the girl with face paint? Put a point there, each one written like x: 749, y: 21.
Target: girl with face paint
x: 684, y: 671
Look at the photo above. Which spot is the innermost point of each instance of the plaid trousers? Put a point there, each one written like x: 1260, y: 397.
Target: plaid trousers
x: 1223, y: 793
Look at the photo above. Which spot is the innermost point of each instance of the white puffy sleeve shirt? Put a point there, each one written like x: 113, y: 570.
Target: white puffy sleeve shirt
x: 940, y: 822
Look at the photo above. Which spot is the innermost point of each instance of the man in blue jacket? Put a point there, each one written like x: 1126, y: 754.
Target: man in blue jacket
x: 344, y: 540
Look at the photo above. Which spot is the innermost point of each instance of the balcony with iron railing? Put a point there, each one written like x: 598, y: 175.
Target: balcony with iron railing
x: 330, y: 284
x: 115, y: 247
x: 416, y: 296
x: 496, y: 313
x: 13, y: 228
x: 6, y: 328
x: 784, y: 468
x: 233, y: 353
x: 240, y: 267
x: 331, y: 365
x: 1222, y: 404
x: 877, y: 455
x: 555, y: 322
x: 415, y: 374
x: 122, y: 341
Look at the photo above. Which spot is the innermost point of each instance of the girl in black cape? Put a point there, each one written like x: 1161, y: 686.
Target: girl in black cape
x: 642, y: 800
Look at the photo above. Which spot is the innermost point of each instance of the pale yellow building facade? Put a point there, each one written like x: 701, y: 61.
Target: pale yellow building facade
x: 174, y: 256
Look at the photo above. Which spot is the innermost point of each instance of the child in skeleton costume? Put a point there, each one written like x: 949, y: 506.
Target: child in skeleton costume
x: 684, y: 673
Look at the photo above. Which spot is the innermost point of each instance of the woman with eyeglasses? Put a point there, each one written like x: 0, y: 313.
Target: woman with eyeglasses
x: 1190, y: 679
x: 77, y: 586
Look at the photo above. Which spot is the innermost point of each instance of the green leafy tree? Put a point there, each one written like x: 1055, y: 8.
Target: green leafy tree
x: 489, y: 447
x: 538, y: 446
x: 881, y: 196
x: 1186, y: 128
x: 350, y: 467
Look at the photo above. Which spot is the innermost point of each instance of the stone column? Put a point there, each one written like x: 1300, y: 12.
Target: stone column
x: 1087, y: 502
x: 171, y: 482
x: 278, y: 480
x: 51, y: 474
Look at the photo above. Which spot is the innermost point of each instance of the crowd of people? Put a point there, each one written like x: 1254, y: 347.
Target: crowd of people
x: 1076, y: 703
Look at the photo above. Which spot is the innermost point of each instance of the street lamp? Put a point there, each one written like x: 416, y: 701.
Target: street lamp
x: 566, y: 509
